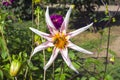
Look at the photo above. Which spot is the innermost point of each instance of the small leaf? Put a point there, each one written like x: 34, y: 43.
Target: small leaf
x: 3, y: 48
x: 1, y: 75
x: 76, y: 65
x: 108, y: 77
x: 83, y: 78
x: 32, y: 67
x: 58, y: 70
x: 72, y: 55
x: 62, y: 77
x: 92, y: 78
x: 111, y: 52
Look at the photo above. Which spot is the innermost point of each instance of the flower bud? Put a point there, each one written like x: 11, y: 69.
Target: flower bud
x: 49, y: 49
x: 15, y: 67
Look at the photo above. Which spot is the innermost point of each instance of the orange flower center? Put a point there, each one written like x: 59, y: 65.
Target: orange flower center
x: 60, y: 40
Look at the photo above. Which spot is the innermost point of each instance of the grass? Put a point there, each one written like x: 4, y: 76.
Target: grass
x: 95, y: 42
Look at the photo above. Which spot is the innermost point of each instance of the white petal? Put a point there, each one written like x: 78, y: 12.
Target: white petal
x: 66, y: 21
x: 42, y: 34
x: 77, y: 48
x: 78, y: 31
x: 50, y: 25
x: 64, y: 53
x: 52, y: 58
x: 41, y: 47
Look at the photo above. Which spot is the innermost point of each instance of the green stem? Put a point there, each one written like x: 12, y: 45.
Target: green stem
x: 44, y: 61
x: 53, y: 71
x: 61, y: 72
x: 15, y: 78
x: 109, y: 29
x: 44, y: 64
x: 26, y: 71
x: 38, y: 17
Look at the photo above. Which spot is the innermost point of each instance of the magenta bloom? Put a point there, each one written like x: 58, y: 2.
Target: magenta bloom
x: 57, y: 20
x: 7, y: 3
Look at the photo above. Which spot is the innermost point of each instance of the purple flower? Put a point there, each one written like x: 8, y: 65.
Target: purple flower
x: 11, y: 1
x: 57, y: 20
x: 7, y: 3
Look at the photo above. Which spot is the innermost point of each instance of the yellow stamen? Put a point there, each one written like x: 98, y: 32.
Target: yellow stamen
x: 60, y: 40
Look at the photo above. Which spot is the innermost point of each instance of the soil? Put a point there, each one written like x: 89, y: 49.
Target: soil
x: 114, y: 43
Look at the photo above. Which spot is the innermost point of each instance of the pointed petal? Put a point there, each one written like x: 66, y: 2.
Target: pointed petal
x: 77, y: 48
x: 49, y: 22
x: 41, y: 47
x: 52, y: 58
x: 64, y: 53
x: 66, y: 20
x: 78, y: 31
x: 42, y: 34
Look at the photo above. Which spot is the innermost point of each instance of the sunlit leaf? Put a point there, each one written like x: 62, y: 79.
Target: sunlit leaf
x: 92, y: 78
x: 72, y: 55
x: 109, y: 77
x: 62, y: 77
x: 83, y: 78
x: 111, y: 52
x: 1, y: 75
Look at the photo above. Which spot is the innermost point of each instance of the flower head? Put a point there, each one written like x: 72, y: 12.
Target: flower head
x: 7, y: 2
x: 57, y: 20
x: 59, y: 38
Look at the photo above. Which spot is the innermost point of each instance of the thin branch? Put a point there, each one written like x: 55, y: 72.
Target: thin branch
x: 44, y: 64
x: 109, y: 31
x: 53, y: 76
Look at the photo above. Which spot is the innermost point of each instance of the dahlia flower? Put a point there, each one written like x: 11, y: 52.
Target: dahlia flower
x: 59, y: 39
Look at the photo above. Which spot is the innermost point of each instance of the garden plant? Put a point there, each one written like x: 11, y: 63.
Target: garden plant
x: 47, y: 39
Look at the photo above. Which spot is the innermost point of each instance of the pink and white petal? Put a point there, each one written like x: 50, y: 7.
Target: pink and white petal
x: 78, y: 31
x: 64, y: 53
x: 41, y: 47
x: 77, y: 48
x: 42, y: 34
x: 50, y: 24
x: 52, y: 58
x: 66, y: 21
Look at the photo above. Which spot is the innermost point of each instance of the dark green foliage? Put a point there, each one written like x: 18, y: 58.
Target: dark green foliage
x: 18, y: 37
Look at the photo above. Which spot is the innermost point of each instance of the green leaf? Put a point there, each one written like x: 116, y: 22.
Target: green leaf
x: 3, y: 48
x: 83, y: 78
x: 32, y: 67
x: 58, y: 70
x: 1, y: 75
x: 108, y: 77
x: 111, y: 52
x: 72, y: 55
x: 92, y: 78
x: 62, y: 77
x: 76, y: 65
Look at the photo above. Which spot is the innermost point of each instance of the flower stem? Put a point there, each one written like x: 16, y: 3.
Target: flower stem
x: 109, y: 31
x: 53, y: 71
x: 32, y: 40
x: 27, y: 69
x: 44, y: 60
x: 44, y: 65
x: 15, y: 78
